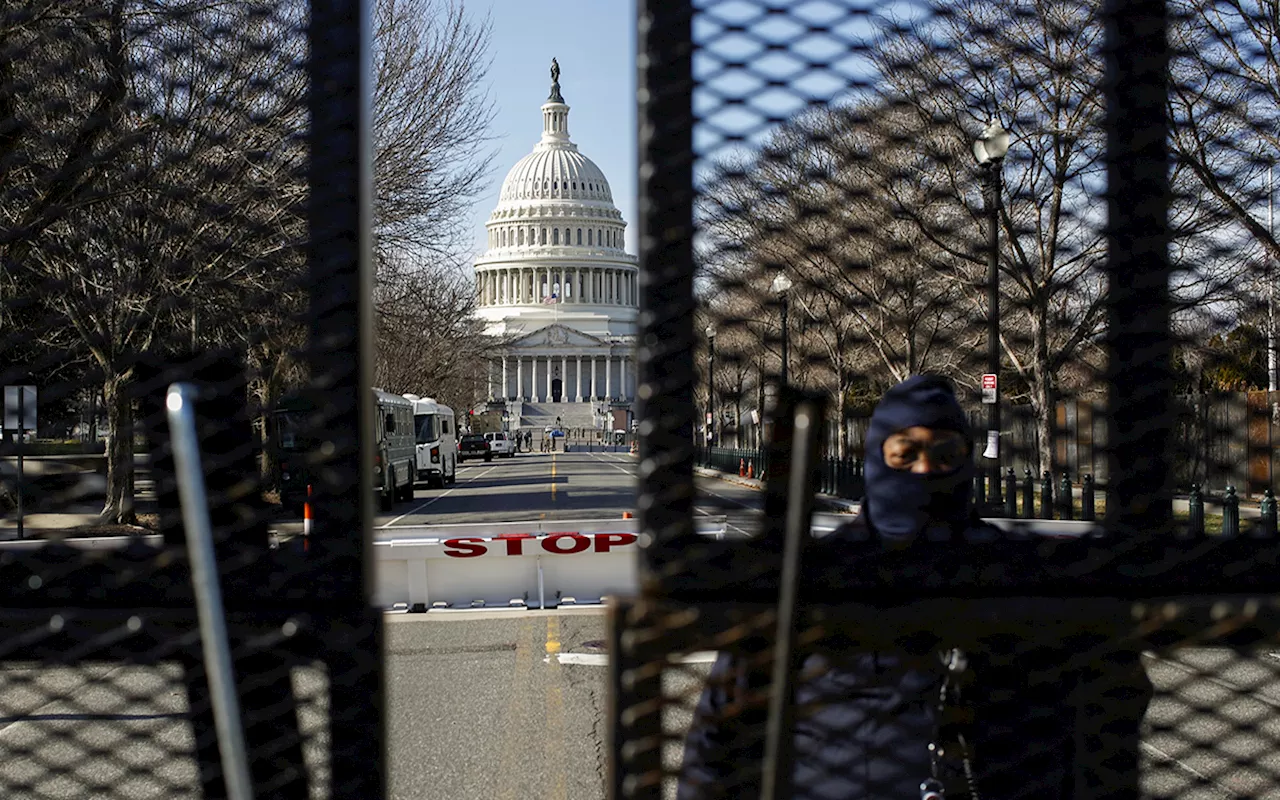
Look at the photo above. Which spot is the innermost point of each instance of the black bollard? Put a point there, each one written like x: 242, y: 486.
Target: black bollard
x: 1230, y: 513
x: 1266, y: 527
x: 1028, y: 495
x: 1046, y: 496
x: 1195, y: 511
x: 1087, y: 512
x: 1066, y: 499
x: 1010, y: 494
x: 980, y: 493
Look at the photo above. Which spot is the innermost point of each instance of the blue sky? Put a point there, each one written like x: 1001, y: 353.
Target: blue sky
x: 594, y: 41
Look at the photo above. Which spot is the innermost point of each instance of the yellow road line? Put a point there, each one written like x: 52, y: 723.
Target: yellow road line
x: 516, y: 714
x: 557, y: 769
x: 553, y: 476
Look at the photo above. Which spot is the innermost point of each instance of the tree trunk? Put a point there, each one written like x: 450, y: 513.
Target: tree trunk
x: 119, y: 506
x: 1042, y: 399
x: 842, y: 419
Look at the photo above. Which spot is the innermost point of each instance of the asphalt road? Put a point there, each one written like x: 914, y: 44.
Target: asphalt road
x: 573, y: 485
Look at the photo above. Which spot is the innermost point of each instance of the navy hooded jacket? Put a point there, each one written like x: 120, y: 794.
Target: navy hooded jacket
x: 865, y: 720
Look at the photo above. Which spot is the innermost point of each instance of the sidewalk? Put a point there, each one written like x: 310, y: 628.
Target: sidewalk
x: 824, y: 502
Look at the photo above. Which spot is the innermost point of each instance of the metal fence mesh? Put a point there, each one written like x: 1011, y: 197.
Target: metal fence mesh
x: 829, y: 202
x: 162, y: 221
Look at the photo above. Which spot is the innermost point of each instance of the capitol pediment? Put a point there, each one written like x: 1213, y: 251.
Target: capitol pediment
x: 557, y: 336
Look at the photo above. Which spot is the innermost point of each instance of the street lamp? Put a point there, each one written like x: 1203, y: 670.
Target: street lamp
x: 782, y: 285
x: 989, y: 149
x: 711, y: 383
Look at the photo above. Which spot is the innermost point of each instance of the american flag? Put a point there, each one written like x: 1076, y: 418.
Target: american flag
x: 551, y: 298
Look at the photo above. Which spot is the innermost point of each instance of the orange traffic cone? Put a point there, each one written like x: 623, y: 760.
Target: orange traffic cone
x: 742, y: 468
x: 306, y: 521
x: 750, y: 469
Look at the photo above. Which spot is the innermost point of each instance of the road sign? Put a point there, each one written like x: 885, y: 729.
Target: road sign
x: 19, y: 402
x: 989, y: 388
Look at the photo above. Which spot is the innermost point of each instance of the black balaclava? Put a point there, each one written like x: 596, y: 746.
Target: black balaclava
x: 902, y: 504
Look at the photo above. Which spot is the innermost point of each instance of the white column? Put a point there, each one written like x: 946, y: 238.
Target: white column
x: 594, y: 390
x: 547, y: 399
x: 506, y: 387
x: 626, y: 378
x: 520, y: 377
x: 577, y: 382
x: 564, y: 378
x: 608, y: 378
x: 488, y: 374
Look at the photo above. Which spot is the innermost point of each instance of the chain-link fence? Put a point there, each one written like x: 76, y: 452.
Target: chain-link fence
x: 1050, y: 204
x: 180, y: 202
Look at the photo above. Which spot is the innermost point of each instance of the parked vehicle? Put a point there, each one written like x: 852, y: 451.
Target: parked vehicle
x: 292, y: 426
x: 474, y: 445
x: 500, y: 444
x: 435, y: 434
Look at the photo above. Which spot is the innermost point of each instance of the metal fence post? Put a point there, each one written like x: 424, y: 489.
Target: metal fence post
x: 1046, y: 496
x: 1028, y: 495
x: 1010, y: 494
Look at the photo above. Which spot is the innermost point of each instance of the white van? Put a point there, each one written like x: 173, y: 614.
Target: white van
x: 436, y: 434
x: 500, y: 444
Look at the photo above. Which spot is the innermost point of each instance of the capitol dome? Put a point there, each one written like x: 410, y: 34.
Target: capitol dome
x: 557, y: 288
x: 555, y: 171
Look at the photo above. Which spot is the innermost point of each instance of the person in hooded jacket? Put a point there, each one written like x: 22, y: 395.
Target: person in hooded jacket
x: 877, y: 724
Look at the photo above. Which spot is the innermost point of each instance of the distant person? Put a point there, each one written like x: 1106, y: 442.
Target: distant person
x: 865, y: 719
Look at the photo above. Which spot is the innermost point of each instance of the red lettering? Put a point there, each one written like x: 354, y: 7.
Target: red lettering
x: 579, y: 543
x: 604, y: 541
x: 513, y: 540
x: 466, y: 547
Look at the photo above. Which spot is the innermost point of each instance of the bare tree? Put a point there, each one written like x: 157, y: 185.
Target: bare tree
x: 431, y: 120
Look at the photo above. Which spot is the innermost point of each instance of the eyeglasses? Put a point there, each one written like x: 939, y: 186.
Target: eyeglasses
x: 940, y: 452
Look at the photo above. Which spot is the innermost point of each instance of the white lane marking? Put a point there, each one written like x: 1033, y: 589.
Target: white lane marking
x: 627, y: 472
x: 442, y: 495
x: 602, y: 659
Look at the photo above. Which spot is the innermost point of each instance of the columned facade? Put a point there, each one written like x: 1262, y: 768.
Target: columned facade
x: 556, y: 285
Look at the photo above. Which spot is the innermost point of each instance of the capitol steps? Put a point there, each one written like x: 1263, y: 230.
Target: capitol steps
x: 571, y: 415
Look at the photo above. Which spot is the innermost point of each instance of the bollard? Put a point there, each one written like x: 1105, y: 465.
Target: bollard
x: 1066, y: 499
x: 1010, y: 494
x: 1266, y: 527
x: 1230, y: 513
x: 1046, y: 496
x: 1195, y: 511
x: 1087, y: 499
x: 1028, y: 496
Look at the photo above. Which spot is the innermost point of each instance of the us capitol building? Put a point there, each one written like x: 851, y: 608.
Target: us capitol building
x: 558, y: 290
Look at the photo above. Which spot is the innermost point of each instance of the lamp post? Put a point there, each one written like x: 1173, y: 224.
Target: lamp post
x: 781, y: 286
x: 711, y: 384
x: 989, y: 149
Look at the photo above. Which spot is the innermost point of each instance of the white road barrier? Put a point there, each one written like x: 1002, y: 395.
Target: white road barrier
x: 516, y: 564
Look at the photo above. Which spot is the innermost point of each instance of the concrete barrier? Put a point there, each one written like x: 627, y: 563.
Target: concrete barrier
x: 542, y: 564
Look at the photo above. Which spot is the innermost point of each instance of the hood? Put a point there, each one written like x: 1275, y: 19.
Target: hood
x: 900, y: 504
